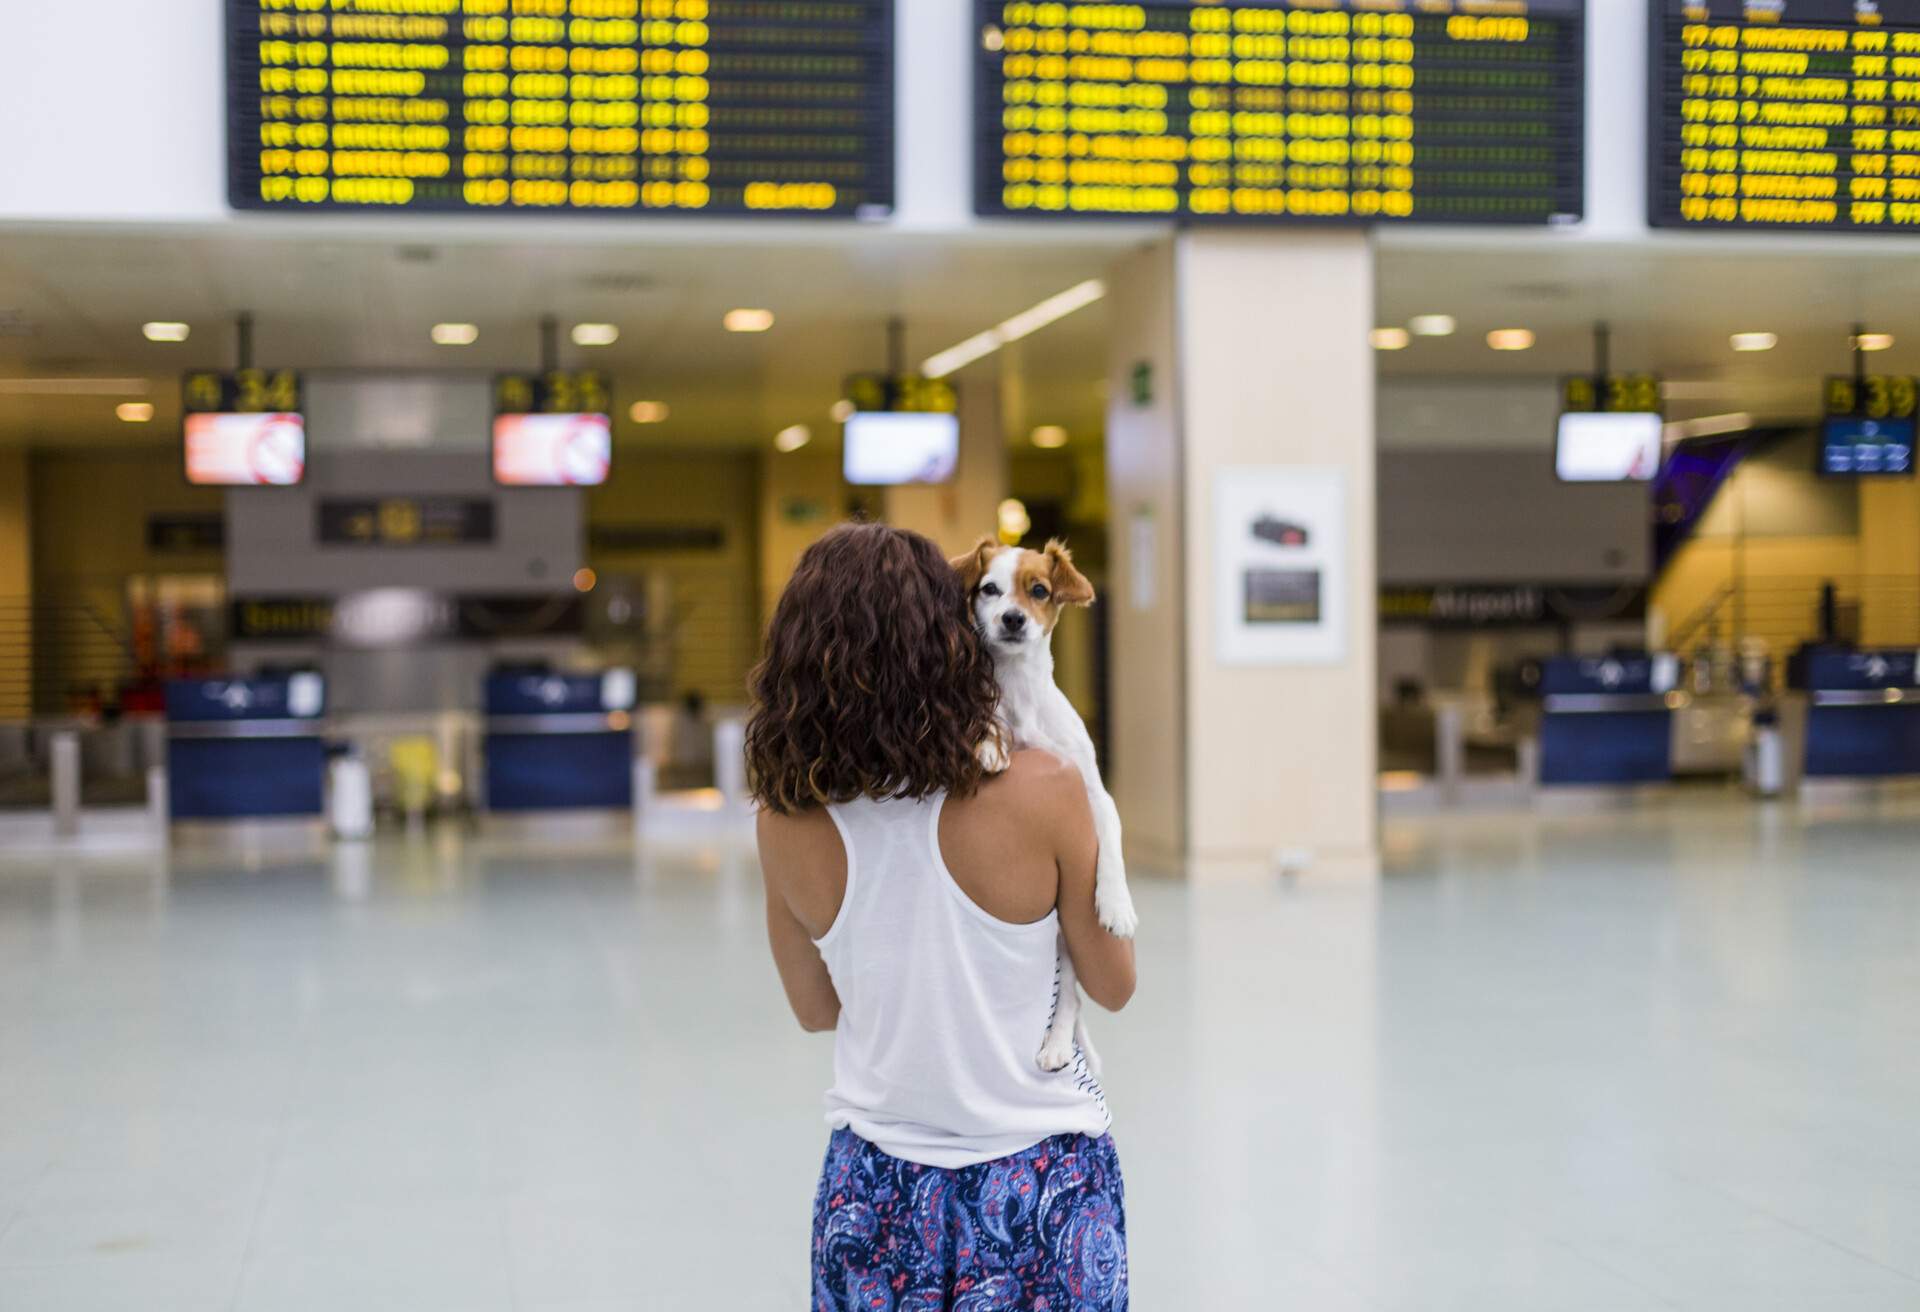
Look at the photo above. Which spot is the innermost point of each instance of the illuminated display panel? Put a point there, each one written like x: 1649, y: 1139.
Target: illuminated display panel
x: 1788, y: 114
x: 589, y: 106
x: 1427, y: 111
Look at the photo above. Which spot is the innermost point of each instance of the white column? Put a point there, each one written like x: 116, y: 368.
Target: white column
x: 1240, y: 376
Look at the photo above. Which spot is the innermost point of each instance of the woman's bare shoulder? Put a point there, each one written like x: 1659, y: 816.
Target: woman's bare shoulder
x: 798, y: 839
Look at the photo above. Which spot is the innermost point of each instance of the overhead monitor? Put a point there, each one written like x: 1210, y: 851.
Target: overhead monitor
x: 264, y: 449
x: 1608, y: 448
x: 891, y: 447
x: 1867, y: 447
x: 735, y: 107
x: 1790, y: 114
x: 552, y: 450
x: 1264, y: 111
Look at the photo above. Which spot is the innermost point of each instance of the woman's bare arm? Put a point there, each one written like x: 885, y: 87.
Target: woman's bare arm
x: 791, y: 849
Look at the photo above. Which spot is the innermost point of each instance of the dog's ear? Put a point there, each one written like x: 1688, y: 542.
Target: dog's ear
x: 1070, y: 586
x: 972, y: 565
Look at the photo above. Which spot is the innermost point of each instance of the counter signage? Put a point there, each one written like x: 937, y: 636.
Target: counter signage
x: 1785, y: 114
x: 552, y: 392
x: 244, y: 428
x: 737, y: 107
x: 1350, y: 111
x: 1869, y: 426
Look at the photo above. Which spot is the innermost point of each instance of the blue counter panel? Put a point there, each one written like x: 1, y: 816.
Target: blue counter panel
x: 239, y: 778
x: 1623, y: 747
x: 1863, y: 742
x: 559, y: 771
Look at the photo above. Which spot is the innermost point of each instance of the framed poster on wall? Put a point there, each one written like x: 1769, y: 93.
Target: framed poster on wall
x: 1280, y: 565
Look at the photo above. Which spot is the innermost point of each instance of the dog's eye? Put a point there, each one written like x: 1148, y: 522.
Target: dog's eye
x: 989, y: 589
x: 1038, y: 592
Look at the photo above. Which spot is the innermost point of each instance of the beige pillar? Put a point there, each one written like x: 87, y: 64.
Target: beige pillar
x: 956, y: 514
x: 1889, y: 561
x: 1244, y: 734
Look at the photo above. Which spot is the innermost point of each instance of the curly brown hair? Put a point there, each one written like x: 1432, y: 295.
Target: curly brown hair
x: 874, y: 682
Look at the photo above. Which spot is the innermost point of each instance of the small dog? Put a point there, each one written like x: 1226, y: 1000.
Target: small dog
x: 1017, y: 596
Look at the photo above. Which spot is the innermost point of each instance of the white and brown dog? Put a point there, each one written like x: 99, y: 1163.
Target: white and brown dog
x: 1017, y: 596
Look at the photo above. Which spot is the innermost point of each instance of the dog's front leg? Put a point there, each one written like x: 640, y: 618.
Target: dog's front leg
x: 1112, y: 901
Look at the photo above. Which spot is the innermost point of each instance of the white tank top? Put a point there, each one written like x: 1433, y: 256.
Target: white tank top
x: 942, y: 1005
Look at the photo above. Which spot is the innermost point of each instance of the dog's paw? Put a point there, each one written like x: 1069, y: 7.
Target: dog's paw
x: 993, y: 755
x: 1113, y: 904
x: 1057, y: 1052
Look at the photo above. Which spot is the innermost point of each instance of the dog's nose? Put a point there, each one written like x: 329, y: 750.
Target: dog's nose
x: 1014, y: 621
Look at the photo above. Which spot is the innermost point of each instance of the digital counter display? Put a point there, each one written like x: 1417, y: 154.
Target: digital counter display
x: 736, y: 107
x: 1426, y: 111
x: 1785, y: 114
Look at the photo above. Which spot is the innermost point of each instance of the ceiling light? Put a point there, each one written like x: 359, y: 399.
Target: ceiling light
x: 1709, y: 426
x: 134, y: 412
x: 584, y: 578
x: 842, y: 410
x: 1432, y: 325
x: 1510, y: 339
x: 648, y: 412
x: 165, y: 331
x: 792, y: 438
x: 1753, y: 341
x: 1389, y: 339
x: 1028, y: 321
x: 1873, y: 342
x: 747, y: 321
x: 595, y: 334
x: 1049, y: 437
x: 456, y: 334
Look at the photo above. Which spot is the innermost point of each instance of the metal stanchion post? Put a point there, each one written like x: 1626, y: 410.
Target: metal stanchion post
x: 66, y: 783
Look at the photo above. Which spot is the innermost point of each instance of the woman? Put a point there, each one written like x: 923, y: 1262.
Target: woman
x: 915, y: 906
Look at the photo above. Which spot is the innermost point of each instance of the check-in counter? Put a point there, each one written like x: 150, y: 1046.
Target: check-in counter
x: 556, y: 742
x: 1852, y: 714
x: 240, y: 749
x: 1607, y: 719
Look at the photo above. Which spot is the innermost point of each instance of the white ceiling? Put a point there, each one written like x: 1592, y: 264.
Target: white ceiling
x: 72, y: 300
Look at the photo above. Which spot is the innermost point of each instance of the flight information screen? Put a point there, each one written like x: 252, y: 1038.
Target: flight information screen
x: 1785, y: 114
x: 734, y: 107
x: 1430, y: 111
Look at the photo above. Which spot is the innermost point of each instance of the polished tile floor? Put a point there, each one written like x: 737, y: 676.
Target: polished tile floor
x: 1601, y: 1063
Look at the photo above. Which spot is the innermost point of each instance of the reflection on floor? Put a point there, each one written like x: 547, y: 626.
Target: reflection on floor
x: 1598, y: 1064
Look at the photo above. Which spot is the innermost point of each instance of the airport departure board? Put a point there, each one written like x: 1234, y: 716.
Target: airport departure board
x: 736, y: 107
x: 1785, y: 114
x: 1430, y: 111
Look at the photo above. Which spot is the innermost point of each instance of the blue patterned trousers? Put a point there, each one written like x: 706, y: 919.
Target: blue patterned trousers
x: 1044, y: 1230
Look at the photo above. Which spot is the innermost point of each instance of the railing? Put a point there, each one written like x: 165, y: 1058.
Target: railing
x: 1773, y: 616
x: 58, y: 655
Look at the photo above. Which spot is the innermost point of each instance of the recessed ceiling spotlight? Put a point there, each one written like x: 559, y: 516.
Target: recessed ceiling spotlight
x: 1874, y: 341
x: 165, y: 330
x: 1389, y: 339
x: 1511, y: 339
x: 1049, y: 437
x: 595, y: 334
x: 843, y: 410
x: 1432, y: 325
x: 747, y: 321
x: 648, y: 412
x: 455, y: 334
x: 1753, y: 341
x: 792, y: 438
x: 134, y: 412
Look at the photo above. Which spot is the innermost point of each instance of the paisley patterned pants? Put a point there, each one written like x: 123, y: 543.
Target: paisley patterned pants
x: 1044, y: 1230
